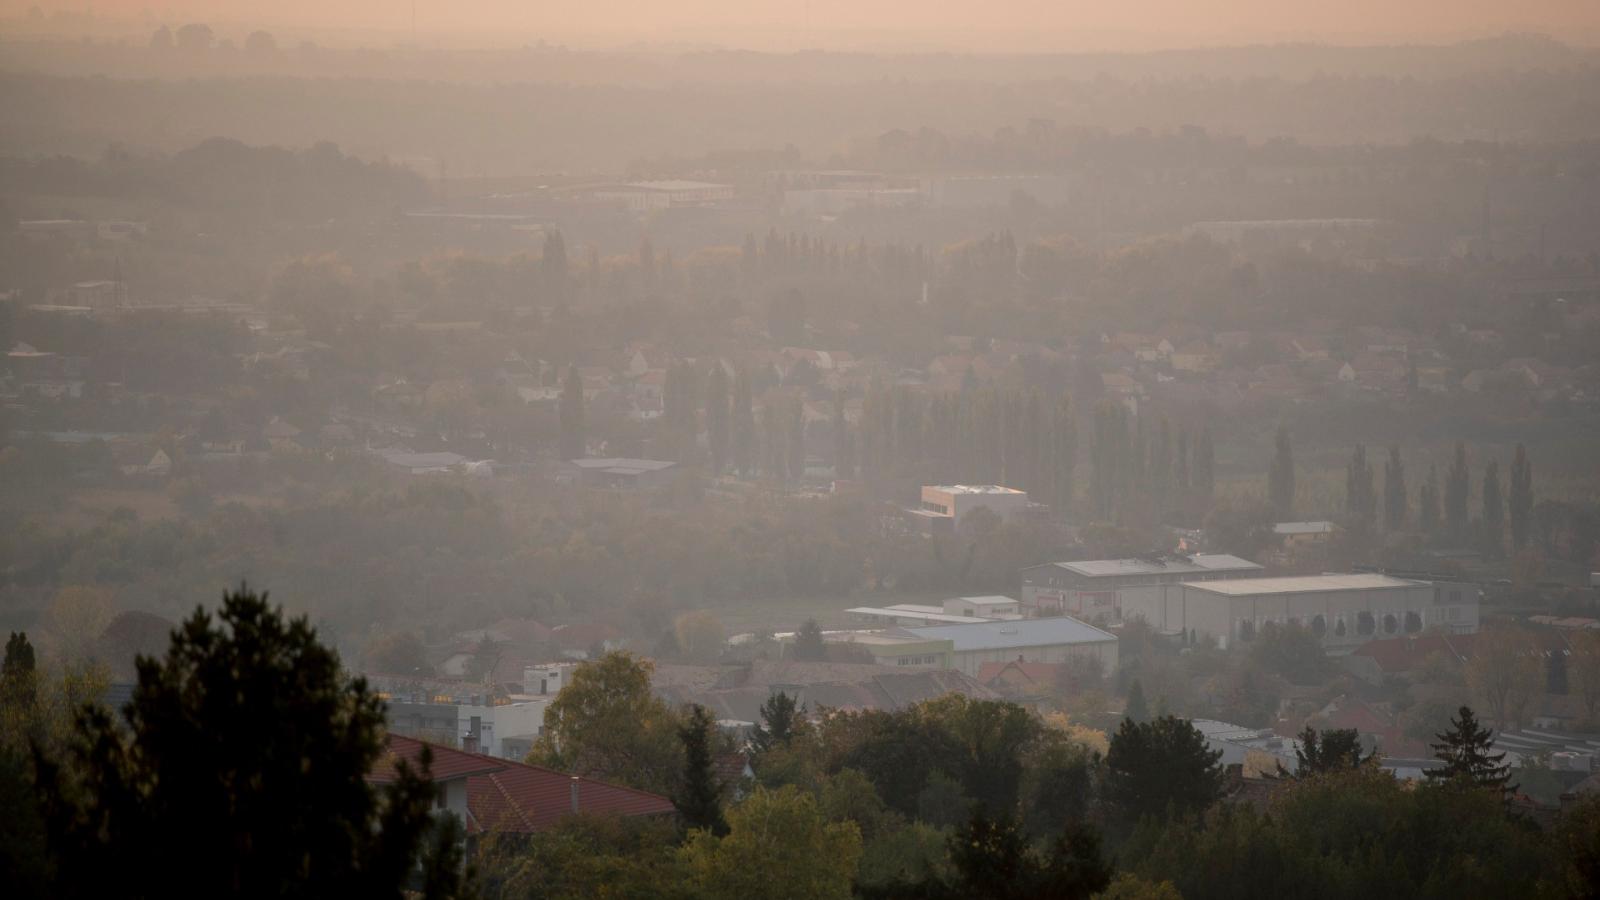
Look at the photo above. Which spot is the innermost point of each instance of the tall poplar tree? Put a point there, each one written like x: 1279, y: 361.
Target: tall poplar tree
x: 1494, y: 510
x: 1457, y: 489
x: 571, y: 415
x: 1280, y: 477
x: 1359, y: 500
x: 1428, y: 504
x: 1394, y: 491
x: 553, y: 267
x: 742, y: 428
x: 1521, y: 497
x: 844, y: 443
x: 717, y: 432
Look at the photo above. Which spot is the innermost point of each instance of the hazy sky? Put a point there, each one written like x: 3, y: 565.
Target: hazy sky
x: 990, y: 25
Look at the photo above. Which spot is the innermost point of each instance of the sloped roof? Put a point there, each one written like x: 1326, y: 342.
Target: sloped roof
x: 503, y: 795
x: 1036, y: 672
x: 447, y: 765
x: 524, y: 798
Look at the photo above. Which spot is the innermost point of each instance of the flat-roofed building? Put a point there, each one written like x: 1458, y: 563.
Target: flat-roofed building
x: 1342, y: 611
x: 1023, y: 640
x: 908, y: 614
x: 992, y: 606
x: 951, y: 503
x: 622, y: 474
x: 1092, y: 587
x: 645, y: 196
x: 892, y: 648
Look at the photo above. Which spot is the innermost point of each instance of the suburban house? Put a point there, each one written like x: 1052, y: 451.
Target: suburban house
x: 1299, y: 534
x: 496, y: 796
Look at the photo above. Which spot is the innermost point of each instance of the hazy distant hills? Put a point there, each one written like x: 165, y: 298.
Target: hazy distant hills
x: 552, y: 110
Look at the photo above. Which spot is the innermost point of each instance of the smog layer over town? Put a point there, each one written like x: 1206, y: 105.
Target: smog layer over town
x: 813, y: 450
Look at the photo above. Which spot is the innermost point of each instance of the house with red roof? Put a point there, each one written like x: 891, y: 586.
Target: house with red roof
x: 1016, y: 679
x: 500, y: 796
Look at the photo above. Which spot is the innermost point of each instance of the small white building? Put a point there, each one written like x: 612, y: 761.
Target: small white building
x: 954, y: 501
x: 989, y: 607
x: 647, y: 196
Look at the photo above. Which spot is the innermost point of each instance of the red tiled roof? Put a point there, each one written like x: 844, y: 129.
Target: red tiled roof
x: 1036, y: 672
x: 524, y: 798
x: 1403, y: 654
x: 447, y: 765
x: 503, y: 795
x: 730, y: 767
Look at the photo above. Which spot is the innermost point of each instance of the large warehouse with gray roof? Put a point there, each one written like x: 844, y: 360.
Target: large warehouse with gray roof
x: 1343, y: 611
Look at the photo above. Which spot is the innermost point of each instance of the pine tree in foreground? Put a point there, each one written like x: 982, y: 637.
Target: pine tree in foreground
x: 699, y: 798
x: 1464, y: 750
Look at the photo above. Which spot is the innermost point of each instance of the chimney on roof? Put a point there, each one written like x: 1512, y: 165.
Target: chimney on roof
x: 575, y: 780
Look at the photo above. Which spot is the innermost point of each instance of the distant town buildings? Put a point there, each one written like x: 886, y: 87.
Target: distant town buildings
x: 1092, y: 587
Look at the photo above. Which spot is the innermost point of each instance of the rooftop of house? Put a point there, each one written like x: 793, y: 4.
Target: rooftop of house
x: 1302, y: 584
x: 1033, y: 672
x: 515, y: 797
x: 999, y: 635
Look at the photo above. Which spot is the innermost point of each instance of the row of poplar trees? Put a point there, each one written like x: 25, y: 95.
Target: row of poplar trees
x: 1441, y: 513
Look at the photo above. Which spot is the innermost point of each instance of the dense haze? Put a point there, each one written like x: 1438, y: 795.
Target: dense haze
x: 1028, y: 450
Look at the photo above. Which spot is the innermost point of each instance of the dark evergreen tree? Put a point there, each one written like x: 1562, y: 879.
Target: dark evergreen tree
x: 17, y: 685
x: 1136, y: 709
x: 1464, y: 751
x: 1155, y: 766
x: 1521, y: 505
x: 239, y: 769
x: 780, y: 717
x: 699, y: 796
x: 1330, y: 751
x: 571, y: 414
x: 992, y: 859
x: 808, y: 645
x: 1394, y: 491
x: 1280, y: 477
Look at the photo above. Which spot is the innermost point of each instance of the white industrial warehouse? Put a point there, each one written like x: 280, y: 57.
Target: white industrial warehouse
x: 1343, y: 611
